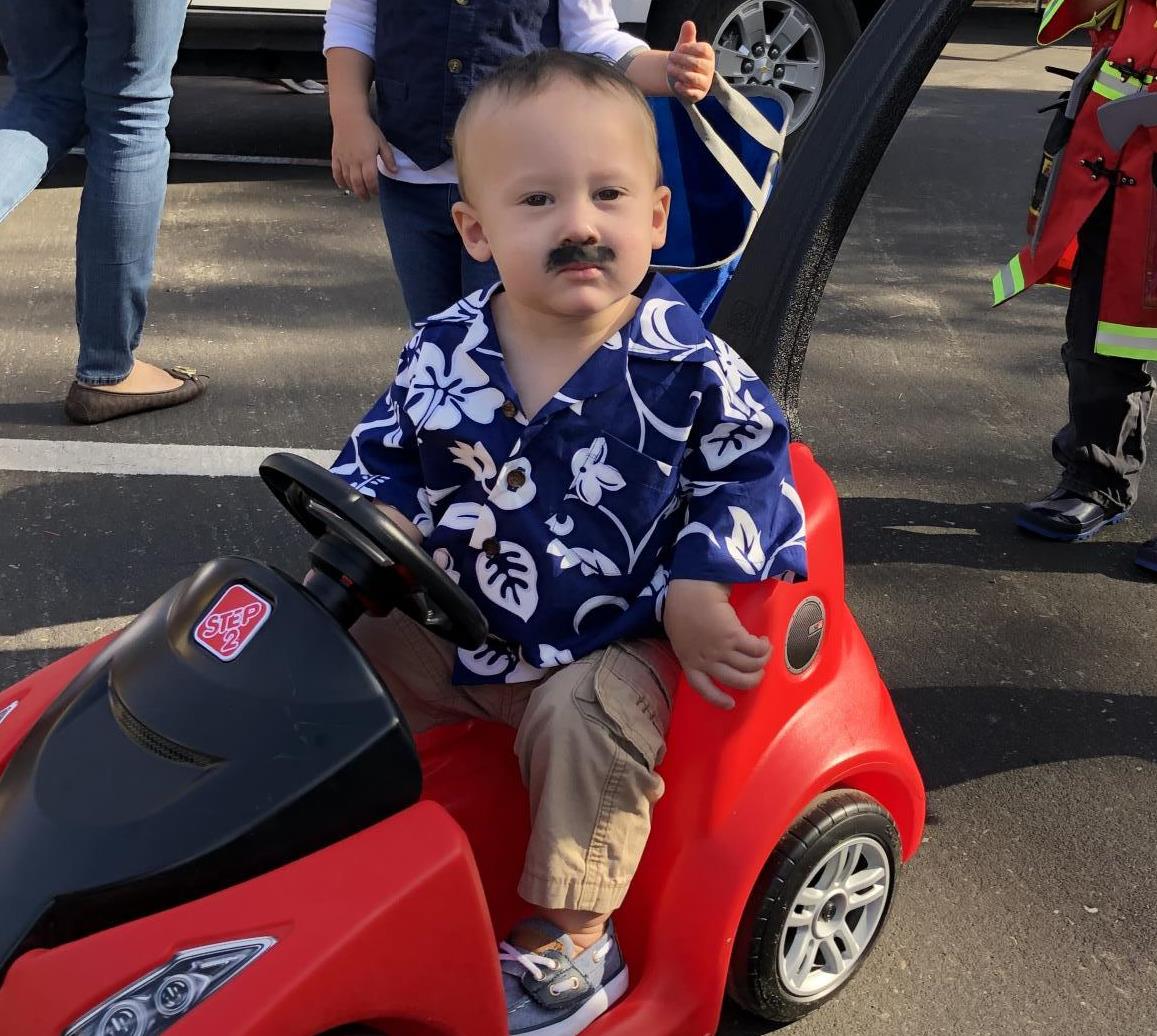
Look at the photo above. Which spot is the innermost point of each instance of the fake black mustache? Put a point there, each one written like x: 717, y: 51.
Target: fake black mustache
x: 564, y: 255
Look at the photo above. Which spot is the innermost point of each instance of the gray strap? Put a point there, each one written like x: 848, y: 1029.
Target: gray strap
x: 1084, y: 83
x: 749, y: 119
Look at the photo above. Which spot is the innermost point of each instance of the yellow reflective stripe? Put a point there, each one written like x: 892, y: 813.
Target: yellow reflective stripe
x: 1131, y: 83
x: 1009, y: 281
x: 1109, y: 69
x: 1050, y: 10
x: 1114, y: 10
x: 1107, y: 91
x: 1128, y: 330
x: 1133, y: 343
x: 1126, y: 352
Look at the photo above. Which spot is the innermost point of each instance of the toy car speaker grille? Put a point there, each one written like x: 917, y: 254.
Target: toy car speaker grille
x: 153, y: 742
x: 805, y: 633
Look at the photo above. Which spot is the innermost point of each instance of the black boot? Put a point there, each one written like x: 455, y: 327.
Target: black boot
x: 1064, y: 516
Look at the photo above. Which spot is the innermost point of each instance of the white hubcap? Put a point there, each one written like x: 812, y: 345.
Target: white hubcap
x: 834, y: 918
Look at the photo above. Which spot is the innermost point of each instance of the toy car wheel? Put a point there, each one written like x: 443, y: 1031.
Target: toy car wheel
x: 817, y: 909
x: 793, y: 45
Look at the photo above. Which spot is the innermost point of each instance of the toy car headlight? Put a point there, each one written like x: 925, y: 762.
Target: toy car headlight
x: 164, y: 996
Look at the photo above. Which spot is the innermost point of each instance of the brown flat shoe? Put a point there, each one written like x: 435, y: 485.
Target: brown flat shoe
x: 84, y: 405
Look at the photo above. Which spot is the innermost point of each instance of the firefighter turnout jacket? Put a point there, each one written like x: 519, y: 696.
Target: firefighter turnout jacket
x: 1091, y: 152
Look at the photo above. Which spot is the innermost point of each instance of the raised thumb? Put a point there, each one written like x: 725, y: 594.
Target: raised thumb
x: 686, y: 34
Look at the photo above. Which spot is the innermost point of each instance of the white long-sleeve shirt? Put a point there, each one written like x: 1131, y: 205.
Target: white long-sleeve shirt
x: 585, y: 26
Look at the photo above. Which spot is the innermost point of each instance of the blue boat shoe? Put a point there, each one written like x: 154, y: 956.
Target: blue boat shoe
x: 557, y: 991
x: 1067, y: 517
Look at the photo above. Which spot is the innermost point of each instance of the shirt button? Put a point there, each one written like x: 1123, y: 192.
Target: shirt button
x: 491, y: 548
x: 516, y: 479
x: 509, y: 409
x: 454, y: 65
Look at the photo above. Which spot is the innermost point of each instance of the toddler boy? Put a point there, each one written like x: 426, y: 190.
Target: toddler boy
x: 594, y: 469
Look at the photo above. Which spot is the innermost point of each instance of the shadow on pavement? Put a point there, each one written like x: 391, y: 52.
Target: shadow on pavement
x: 882, y: 530
x: 997, y: 26
x: 69, y: 173
x: 34, y: 414
x: 960, y: 734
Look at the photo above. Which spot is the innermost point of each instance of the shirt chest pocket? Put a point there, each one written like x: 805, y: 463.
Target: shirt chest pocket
x: 612, y: 502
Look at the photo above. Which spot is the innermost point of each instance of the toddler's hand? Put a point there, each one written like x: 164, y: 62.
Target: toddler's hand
x: 401, y: 521
x: 690, y: 66
x: 357, y: 143
x: 710, y: 641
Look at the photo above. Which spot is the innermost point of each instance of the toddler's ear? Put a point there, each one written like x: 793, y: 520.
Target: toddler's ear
x: 659, y: 214
x: 470, y: 230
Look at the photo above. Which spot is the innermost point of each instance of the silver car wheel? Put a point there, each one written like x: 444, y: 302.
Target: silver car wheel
x: 773, y: 43
x: 834, y: 918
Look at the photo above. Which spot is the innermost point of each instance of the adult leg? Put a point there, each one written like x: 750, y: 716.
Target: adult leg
x: 1102, y: 447
x: 44, y: 117
x: 426, y: 248
x: 131, y: 49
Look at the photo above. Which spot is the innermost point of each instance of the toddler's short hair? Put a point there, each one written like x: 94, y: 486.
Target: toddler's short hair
x: 530, y: 74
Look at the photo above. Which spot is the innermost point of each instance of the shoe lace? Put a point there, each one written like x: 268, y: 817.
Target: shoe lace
x: 532, y: 962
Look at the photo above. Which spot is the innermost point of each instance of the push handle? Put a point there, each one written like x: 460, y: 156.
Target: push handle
x: 749, y: 119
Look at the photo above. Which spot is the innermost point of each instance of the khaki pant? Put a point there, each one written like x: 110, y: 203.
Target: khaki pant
x: 589, y: 738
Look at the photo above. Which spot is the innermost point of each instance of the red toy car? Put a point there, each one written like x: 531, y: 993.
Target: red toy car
x: 215, y: 822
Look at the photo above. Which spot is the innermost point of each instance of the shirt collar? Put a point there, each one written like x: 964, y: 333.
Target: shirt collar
x: 663, y: 328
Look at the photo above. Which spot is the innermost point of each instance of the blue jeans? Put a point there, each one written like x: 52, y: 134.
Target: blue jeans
x: 98, y: 71
x: 435, y: 271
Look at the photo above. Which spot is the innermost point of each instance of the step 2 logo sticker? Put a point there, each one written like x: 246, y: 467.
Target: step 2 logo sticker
x: 232, y: 622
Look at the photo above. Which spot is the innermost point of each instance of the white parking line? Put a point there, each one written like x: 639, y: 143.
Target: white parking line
x: 66, y: 635
x: 127, y: 458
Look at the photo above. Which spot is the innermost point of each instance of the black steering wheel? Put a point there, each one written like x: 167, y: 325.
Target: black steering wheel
x: 324, y: 504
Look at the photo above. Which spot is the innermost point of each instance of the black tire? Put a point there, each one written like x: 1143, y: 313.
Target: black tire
x: 836, y: 818
x: 836, y: 21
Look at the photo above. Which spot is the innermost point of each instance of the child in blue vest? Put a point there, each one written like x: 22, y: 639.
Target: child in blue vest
x: 594, y: 469
x: 424, y: 57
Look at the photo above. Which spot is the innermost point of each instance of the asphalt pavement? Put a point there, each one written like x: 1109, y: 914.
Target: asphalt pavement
x: 1023, y: 671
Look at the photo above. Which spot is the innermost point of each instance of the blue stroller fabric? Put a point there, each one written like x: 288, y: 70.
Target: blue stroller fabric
x: 720, y: 159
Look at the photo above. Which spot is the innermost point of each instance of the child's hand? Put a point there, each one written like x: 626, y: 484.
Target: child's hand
x: 690, y: 66
x: 357, y: 143
x: 710, y: 641
x: 401, y: 521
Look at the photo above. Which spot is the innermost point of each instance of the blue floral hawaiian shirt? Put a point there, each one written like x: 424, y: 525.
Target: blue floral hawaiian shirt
x: 663, y: 457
